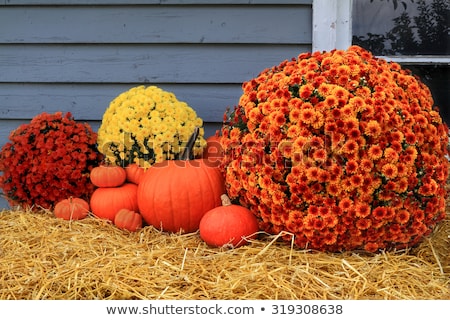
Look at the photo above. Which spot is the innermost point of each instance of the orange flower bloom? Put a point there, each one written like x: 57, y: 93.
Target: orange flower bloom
x: 371, y: 247
x: 324, y: 176
x: 351, y: 146
x: 402, y: 217
x: 421, y: 120
x: 345, y: 204
x: 373, y: 129
x: 278, y: 118
x: 357, y: 103
x: 390, y: 155
x: 389, y: 171
x: 320, y: 155
x: 329, y: 238
x: 318, y: 120
x: 336, y: 114
x: 331, y: 101
x: 351, y: 167
x: 379, y: 213
x: 375, y: 152
x: 295, y: 115
x: 334, y: 189
x: 366, y: 165
x: 354, y: 134
x: 362, y: 210
x: 307, y: 115
x: 341, y: 94
x: 306, y: 91
x: 428, y: 189
x: 356, y: 180
x: 312, y: 174
x: 325, y: 89
x: 343, y: 70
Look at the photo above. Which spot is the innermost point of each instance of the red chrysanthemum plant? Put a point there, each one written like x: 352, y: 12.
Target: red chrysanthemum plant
x: 340, y: 149
x: 47, y: 160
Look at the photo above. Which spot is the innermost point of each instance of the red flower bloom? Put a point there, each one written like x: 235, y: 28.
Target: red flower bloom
x: 363, y: 224
x: 48, y: 160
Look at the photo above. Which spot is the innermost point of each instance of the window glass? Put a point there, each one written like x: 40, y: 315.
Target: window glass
x: 437, y: 78
x: 402, y: 27
x: 409, y: 28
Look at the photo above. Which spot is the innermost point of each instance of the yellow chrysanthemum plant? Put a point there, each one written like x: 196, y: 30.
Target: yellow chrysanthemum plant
x: 146, y: 125
x: 338, y: 151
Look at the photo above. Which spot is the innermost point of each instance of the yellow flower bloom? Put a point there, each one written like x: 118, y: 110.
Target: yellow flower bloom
x: 148, y: 124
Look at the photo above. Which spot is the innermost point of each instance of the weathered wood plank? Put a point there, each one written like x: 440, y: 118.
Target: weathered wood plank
x: 156, y: 24
x: 140, y: 63
x: 89, y: 101
x: 134, y: 2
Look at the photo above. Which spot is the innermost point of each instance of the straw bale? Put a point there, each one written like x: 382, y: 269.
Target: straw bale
x: 42, y: 257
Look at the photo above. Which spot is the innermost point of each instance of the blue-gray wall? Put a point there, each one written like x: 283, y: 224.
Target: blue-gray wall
x: 76, y: 56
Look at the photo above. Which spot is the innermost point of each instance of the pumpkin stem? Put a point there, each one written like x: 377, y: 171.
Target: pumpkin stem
x: 187, y: 152
x: 225, y: 200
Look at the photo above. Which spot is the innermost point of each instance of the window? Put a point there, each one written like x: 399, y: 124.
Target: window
x: 415, y: 33
x: 396, y: 27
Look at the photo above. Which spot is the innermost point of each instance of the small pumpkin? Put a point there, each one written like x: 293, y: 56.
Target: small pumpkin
x: 173, y: 195
x: 106, y: 202
x: 108, y: 176
x: 213, y: 150
x: 128, y: 220
x: 71, y: 209
x: 134, y: 173
x: 228, y: 225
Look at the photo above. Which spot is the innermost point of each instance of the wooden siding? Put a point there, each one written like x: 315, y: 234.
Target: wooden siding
x: 76, y: 56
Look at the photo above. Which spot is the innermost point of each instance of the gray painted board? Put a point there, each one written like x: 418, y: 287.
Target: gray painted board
x: 156, y: 24
x: 163, y: 63
x: 133, y: 2
x: 89, y: 101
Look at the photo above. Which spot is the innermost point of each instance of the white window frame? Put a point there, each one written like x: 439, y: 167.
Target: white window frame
x: 332, y: 29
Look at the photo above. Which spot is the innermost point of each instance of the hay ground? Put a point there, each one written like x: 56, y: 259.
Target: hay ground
x: 42, y: 257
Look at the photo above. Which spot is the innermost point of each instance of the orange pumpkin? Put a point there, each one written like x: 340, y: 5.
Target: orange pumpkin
x: 128, y: 220
x: 134, y: 173
x: 71, y: 209
x: 108, y: 176
x: 213, y: 150
x: 173, y: 195
x: 228, y: 225
x: 106, y: 202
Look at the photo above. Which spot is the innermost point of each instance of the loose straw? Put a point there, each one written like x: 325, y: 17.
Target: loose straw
x: 42, y: 257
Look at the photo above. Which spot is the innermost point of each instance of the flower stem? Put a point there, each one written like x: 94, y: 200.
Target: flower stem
x: 188, y: 154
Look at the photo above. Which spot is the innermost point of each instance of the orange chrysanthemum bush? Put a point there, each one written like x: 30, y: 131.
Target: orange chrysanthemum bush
x: 341, y: 150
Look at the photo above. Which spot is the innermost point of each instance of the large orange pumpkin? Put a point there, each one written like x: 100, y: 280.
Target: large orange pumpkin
x: 173, y: 195
x: 106, y: 202
x: 228, y: 225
